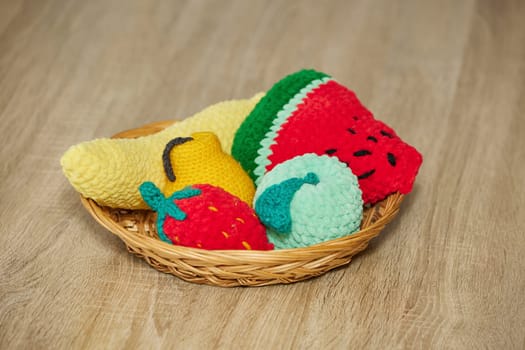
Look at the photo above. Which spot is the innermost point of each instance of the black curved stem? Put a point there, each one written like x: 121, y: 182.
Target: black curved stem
x: 166, y: 161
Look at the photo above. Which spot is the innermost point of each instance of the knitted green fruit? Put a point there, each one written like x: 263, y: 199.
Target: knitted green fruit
x: 308, y: 200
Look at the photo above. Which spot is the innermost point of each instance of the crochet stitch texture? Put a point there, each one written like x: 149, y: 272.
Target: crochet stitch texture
x: 110, y: 170
x: 253, y: 130
x: 201, y: 160
x: 273, y: 205
x: 319, y: 115
x: 207, y: 217
x: 320, y: 210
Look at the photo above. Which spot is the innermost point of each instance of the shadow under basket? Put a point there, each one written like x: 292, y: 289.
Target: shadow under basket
x: 229, y: 268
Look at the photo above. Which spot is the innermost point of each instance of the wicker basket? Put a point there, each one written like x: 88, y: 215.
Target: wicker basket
x: 229, y: 268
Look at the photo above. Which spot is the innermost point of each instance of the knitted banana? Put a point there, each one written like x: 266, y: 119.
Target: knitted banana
x: 110, y: 171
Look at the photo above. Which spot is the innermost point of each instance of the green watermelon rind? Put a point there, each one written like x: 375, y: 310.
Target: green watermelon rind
x: 252, y: 131
x: 264, y: 152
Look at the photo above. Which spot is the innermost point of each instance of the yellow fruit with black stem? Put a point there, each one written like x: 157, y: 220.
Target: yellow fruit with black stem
x: 110, y: 171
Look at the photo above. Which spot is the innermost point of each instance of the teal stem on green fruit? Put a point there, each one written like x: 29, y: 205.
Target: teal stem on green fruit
x: 273, y: 206
x: 165, y: 206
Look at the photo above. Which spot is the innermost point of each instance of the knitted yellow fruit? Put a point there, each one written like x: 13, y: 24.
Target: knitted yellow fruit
x: 110, y: 170
x: 200, y: 159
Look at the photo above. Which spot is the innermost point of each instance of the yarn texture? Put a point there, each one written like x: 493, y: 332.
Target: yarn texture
x: 110, y: 170
x: 207, y: 217
x: 273, y: 205
x: 339, y: 125
x: 262, y: 160
x: 322, y: 116
x: 250, y: 133
x: 327, y: 205
x: 201, y: 160
x: 165, y: 206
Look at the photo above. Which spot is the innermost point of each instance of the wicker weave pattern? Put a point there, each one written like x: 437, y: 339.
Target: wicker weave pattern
x: 236, y: 267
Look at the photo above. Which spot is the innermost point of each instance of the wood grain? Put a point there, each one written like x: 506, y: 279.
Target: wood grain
x: 448, y: 75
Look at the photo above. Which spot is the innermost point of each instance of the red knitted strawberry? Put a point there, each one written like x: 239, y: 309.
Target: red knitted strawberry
x: 205, y: 216
x: 308, y: 112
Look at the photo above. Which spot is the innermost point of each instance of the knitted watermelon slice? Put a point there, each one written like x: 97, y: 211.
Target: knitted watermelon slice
x: 319, y: 115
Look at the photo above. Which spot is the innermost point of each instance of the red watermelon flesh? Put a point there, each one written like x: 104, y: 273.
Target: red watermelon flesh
x: 332, y: 121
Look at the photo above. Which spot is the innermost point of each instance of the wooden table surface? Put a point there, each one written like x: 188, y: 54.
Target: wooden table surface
x: 449, y: 76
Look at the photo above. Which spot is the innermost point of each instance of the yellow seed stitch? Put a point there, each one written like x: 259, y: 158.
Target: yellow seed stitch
x: 240, y: 220
x: 177, y: 239
x: 212, y: 208
x: 225, y: 234
x: 199, y: 245
x: 122, y: 159
x: 246, y: 245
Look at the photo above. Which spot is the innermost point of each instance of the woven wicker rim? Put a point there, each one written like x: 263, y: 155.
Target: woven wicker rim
x: 229, y: 268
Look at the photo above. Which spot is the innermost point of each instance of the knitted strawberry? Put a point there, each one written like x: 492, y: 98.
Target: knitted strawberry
x: 308, y: 112
x: 205, y: 216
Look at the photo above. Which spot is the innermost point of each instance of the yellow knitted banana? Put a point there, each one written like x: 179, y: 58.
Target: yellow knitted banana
x: 110, y: 170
